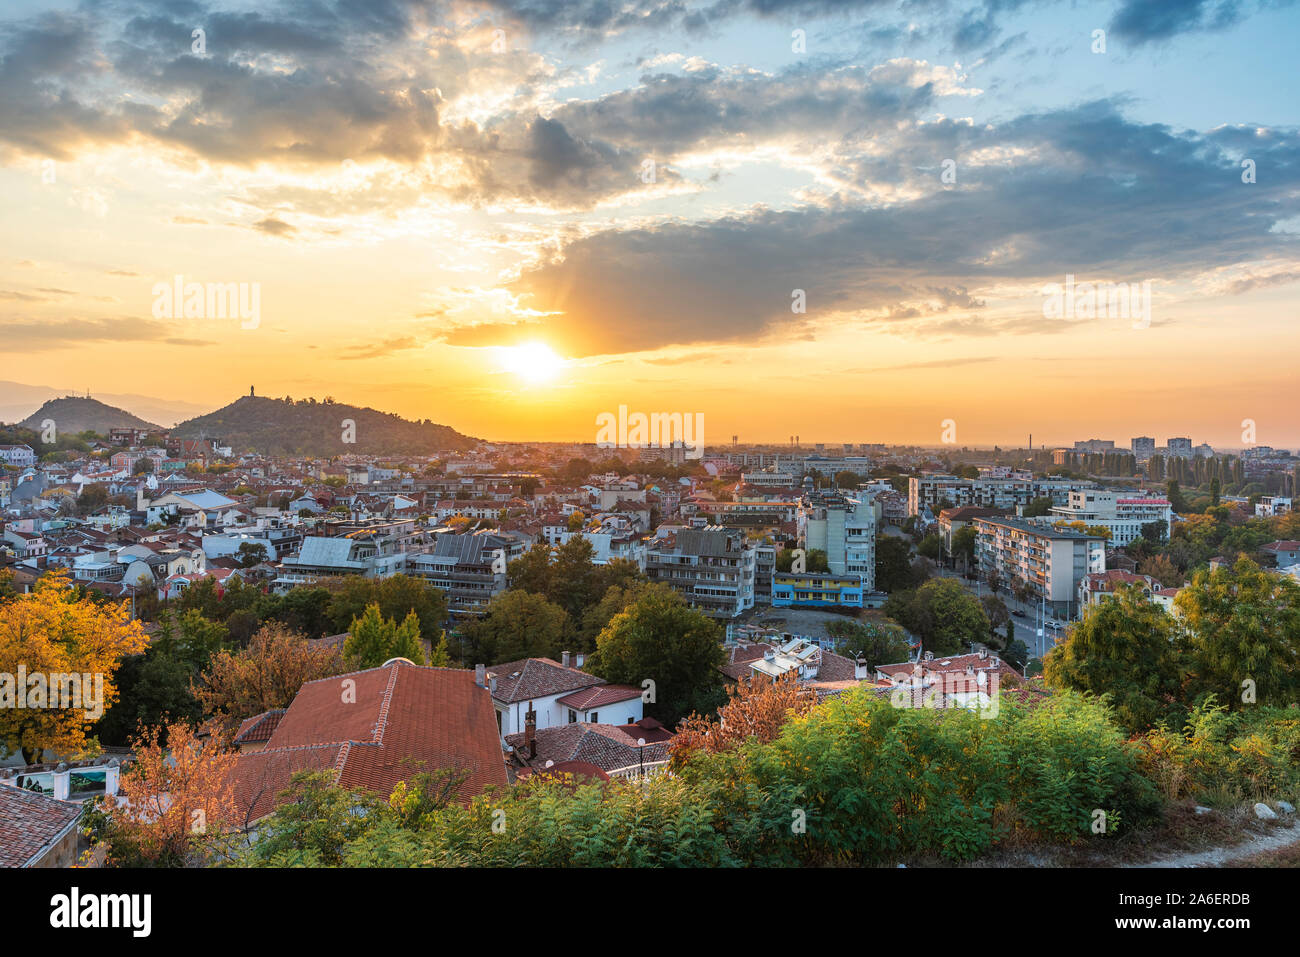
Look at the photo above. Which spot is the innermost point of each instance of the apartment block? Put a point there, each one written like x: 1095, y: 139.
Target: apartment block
x: 844, y: 527
x: 713, y: 568
x: 1048, y: 561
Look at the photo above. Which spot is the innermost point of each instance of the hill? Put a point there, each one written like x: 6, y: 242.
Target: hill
x: 73, y: 414
x: 311, y: 427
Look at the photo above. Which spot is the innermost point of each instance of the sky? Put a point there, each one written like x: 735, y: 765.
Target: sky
x: 841, y: 219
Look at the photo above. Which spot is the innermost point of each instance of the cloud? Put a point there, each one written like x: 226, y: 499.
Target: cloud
x: 38, y: 336
x: 1092, y: 194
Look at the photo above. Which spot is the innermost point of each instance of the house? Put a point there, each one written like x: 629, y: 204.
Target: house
x: 615, y: 751
x: 37, y: 830
x: 970, y: 680
x: 371, y: 729
x: 21, y: 456
x: 1284, y: 554
x: 1100, y: 586
x: 556, y: 693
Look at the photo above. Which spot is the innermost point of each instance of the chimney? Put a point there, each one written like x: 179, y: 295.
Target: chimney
x: 530, y: 734
x: 62, y: 782
x: 984, y: 653
x: 579, y: 659
x: 112, y: 772
x: 564, y: 659
x: 860, y: 669
x: 480, y: 675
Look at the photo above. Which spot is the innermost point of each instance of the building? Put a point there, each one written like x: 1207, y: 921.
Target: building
x: 844, y: 527
x: 1270, y: 505
x: 712, y: 568
x: 1284, y: 554
x: 1102, y: 586
x: 371, y: 729
x: 470, y: 568
x: 1180, y: 447
x: 931, y: 491
x: 1123, y: 515
x: 555, y: 693
x: 813, y: 590
x: 1143, y: 446
x: 22, y: 456
x: 36, y: 829
x: 616, y: 751
x: 366, y: 555
x: 1048, y: 562
x: 1094, y: 445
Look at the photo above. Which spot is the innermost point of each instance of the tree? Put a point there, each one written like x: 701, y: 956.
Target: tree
x: 143, y: 466
x: 1123, y: 647
x: 397, y: 596
x: 1175, y: 496
x: 179, y: 804
x: 576, y: 521
x: 1038, y: 507
x: 754, y: 709
x: 963, y: 545
x: 1242, y: 635
x: 57, y: 638
x: 250, y: 554
x: 893, y: 563
x: 264, y: 676
x: 658, y: 638
x: 517, y: 625
x: 942, y: 614
x: 375, y: 639
x: 931, y: 547
x: 1162, y: 570
x: 878, y: 643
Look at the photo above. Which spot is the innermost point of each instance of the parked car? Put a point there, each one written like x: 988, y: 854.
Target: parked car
x: 1018, y: 613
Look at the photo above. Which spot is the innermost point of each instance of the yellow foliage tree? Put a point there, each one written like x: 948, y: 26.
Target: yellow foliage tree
x: 57, y: 644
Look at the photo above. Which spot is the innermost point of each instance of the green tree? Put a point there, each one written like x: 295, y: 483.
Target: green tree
x: 878, y: 643
x: 516, y: 625
x: 893, y: 563
x: 659, y: 638
x: 1124, y: 647
x: 397, y: 596
x: 1242, y: 635
x: 945, y: 616
x: 374, y: 639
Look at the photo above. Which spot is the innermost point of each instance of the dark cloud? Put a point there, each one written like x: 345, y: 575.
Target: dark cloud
x: 1094, y: 195
x: 45, y: 334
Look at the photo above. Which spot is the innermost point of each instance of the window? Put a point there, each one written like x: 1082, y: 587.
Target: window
x: 594, y: 718
x: 572, y: 716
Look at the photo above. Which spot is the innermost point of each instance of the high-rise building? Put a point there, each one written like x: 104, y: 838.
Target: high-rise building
x: 1143, y: 448
x: 844, y: 528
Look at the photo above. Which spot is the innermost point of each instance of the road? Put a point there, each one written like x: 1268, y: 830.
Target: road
x: 1026, y: 629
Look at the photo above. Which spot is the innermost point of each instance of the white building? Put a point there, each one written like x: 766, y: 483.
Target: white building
x: 844, y: 527
x: 1123, y: 515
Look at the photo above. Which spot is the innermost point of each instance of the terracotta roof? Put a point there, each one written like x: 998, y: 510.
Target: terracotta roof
x: 30, y: 824
x: 607, y: 746
x: 535, y: 678
x: 598, y: 695
x: 259, y: 727
x: 389, y: 724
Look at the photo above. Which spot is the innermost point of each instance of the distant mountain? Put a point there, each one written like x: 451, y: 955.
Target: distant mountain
x: 309, y: 427
x: 77, y: 414
x: 17, y: 399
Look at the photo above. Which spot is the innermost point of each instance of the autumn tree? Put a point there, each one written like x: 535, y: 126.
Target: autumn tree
x: 63, y: 644
x: 754, y: 709
x: 179, y: 804
x: 265, y: 675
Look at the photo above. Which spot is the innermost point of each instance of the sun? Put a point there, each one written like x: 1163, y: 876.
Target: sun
x: 531, y: 361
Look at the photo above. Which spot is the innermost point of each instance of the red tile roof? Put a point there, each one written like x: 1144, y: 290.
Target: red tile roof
x: 537, y: 678
x: 599, y: 695
x: 259, y: 727
x: 375, y: 728
x: 30, y: 824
